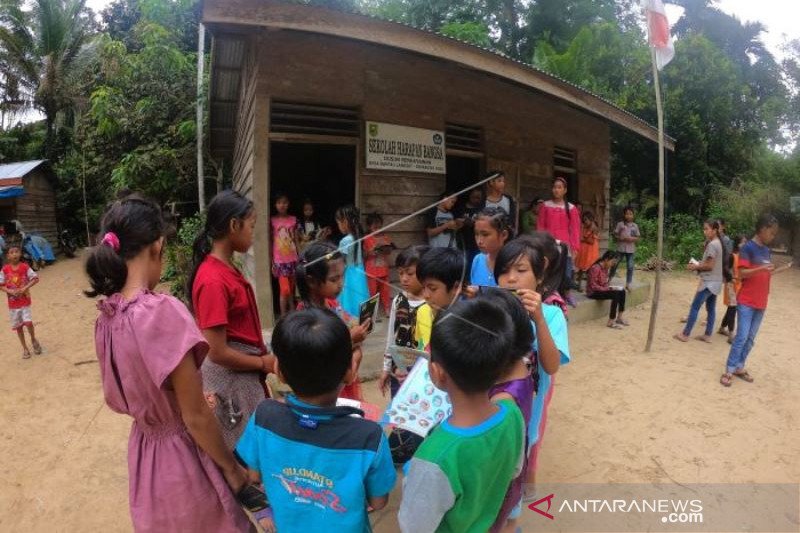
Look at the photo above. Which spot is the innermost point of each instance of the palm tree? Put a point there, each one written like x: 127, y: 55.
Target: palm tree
x: 38, y: 48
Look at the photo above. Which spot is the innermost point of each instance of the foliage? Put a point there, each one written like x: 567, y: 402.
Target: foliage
x: 470, y: 32
x: 179, y: 254
x: 683, y: 239
x: 39, y: 46
x: 138, y: 132
x: 742, y: 203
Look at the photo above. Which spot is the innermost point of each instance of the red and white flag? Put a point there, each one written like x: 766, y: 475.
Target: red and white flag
x: 658, y: 32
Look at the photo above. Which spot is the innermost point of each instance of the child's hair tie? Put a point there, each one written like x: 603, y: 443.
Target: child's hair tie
x: 328, y: 257
x: 111, y: 240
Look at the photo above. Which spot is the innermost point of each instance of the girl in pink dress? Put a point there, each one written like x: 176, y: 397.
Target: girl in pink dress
x: 182, y: 476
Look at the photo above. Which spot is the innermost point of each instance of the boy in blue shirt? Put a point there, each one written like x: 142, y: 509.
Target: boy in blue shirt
x: 458, y: 478
x: 320, y: 465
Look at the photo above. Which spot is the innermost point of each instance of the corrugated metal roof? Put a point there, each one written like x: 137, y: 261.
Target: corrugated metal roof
x: 229, y: 54
x: 19, y: 169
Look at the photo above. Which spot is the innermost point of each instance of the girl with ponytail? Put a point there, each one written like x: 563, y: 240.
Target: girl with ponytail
x: 225, y: 307
x: 319, y: 279
x: 149, y: 349
x: 355, y: 288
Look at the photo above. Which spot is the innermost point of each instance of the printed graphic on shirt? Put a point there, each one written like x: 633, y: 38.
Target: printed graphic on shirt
x: 311, y: 488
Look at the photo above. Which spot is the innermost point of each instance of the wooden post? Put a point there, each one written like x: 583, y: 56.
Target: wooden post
x: 201, y: 44
x: 660, y: 241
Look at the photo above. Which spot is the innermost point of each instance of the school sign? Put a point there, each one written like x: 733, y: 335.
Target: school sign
x: 403, y: 148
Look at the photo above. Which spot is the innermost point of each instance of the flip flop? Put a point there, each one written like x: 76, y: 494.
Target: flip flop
x: 680, y: 337
x: 744, y: 375
x: 37, y: 348
x: 703, y: 338
x: 614, y: 326
x: 623, y: 322
x: 726, y: 379
x: 26, y: 354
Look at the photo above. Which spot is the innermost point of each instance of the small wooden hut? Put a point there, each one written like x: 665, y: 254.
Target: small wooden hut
x: 27, y: 194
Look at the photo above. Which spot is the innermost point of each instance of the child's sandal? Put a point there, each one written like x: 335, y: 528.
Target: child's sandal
x: 37, y: 348
x: 744, y: 375
x: 726, y: 379
x: 26, y: 354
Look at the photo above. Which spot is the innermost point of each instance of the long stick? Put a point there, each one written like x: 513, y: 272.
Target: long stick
x: 660, y: 242
x: 85, y: 208
x: 201, y: 186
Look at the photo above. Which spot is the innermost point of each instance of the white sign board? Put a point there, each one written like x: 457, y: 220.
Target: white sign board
x: 393, y: 147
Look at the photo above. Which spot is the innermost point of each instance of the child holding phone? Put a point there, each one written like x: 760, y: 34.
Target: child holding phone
x: 320, y: 277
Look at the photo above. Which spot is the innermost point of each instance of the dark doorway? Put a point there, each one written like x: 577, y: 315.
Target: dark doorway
x: 323, y: 173
x: 462, y: 172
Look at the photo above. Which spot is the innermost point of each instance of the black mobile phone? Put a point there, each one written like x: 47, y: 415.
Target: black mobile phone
x: 252, y: 498
x: 485, y: 288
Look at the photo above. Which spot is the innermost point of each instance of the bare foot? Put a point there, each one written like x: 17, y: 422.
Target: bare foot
x: 704, y: 338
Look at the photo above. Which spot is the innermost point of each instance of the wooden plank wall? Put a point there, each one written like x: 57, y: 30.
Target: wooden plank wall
x: 521, y: 128
x: 36, y: 210
x: 245, y: 123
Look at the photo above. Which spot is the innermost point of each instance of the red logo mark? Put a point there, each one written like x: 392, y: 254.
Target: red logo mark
x: 549, y: 500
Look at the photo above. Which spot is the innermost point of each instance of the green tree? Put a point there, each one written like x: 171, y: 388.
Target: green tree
x: 38, y: 49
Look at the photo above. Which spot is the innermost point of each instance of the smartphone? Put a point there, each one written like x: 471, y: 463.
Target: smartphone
x: 482, y: 289
x: 252, y: 498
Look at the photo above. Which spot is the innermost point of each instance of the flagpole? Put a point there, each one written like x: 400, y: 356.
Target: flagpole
x: 660, y: 241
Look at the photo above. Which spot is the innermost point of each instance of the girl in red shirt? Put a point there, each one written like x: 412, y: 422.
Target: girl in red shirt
x: 320, y: 278
x: 597, y: 288
x: 225, y: 308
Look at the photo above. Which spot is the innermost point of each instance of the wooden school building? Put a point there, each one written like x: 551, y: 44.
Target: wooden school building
x: 345, y: 108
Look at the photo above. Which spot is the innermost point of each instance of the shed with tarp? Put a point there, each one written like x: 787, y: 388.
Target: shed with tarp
x: 27, y: 194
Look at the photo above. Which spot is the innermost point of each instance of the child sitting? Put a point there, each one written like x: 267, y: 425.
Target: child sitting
x: 377, y: 249
x: 320, y: 466
x: 16, y: 279
x: 402, y: 329
x: 459, y: 476
x: 597, y: 288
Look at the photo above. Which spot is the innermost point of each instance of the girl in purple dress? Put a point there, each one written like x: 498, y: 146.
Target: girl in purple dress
x: 182, y: 476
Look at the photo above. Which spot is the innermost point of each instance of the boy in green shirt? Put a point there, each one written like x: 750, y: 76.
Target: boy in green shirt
x: 459, y: 476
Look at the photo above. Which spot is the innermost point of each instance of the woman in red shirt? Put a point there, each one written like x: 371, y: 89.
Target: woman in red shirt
x: 597, y: 288
x: 225, y: 308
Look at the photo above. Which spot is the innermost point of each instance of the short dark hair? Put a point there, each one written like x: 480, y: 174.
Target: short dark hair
x: 313, y: 349
x: 767, y: 220
x: 374, y: 218
x: 411, y: 255
x: 523, y: 331
x: 470, y: 341
x: 523, y: 246
x: 442, y: 264
x: 627, y: 208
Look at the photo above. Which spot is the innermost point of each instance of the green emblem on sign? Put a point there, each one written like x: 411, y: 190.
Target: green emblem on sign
x: 373, y: 130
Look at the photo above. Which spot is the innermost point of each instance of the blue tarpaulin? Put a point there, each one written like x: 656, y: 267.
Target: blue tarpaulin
x: 11, y: 192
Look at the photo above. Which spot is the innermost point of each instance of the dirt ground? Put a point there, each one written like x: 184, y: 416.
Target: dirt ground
x: 618, y: 414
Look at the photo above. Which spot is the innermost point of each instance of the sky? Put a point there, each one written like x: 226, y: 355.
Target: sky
x: 779, y: 16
